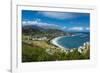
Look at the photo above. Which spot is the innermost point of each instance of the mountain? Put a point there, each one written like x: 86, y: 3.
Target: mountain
x: 33, y: 29
x: 26, y: 27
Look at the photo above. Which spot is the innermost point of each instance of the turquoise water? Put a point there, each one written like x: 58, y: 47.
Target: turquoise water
x: 74, y: 41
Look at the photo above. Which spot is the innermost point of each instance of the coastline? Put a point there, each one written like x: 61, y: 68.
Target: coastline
x: 54, y: 42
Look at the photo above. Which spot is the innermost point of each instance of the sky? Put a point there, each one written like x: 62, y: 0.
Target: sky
x: 67, y: 21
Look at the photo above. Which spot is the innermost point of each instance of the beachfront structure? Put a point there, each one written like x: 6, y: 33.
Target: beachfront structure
x: 39, y: 38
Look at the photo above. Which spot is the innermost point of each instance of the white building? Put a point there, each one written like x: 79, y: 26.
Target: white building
x: 39, y: 38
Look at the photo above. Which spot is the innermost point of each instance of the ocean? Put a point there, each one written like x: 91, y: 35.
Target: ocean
x: 75, y: 41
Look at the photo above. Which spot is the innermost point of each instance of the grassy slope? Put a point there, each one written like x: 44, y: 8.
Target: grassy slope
x: 34, y: 53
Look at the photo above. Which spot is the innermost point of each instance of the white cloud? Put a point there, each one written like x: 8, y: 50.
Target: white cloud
x: 58, y: 15
x: 64, y: 28
x: 78, y: 29
x: 40, y: 24
x: 29, y: 22
x: 87, y: 28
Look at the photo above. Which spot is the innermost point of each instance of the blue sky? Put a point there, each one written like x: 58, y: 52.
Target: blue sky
x: 67, y: 21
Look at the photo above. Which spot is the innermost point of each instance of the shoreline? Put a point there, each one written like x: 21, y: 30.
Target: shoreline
x: 54, y: 42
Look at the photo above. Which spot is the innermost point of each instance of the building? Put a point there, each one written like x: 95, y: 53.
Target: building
x: 39, y: 38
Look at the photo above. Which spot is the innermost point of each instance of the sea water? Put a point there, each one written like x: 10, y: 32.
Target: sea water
x: 75, y: 41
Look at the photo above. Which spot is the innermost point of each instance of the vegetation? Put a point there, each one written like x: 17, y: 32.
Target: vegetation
x: 43, y: 50
x: 32, y: 53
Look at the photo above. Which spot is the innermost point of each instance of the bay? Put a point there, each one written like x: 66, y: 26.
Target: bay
x: 75, y: 41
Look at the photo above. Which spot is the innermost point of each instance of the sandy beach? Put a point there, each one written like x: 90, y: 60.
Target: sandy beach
x: 54, y: 42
